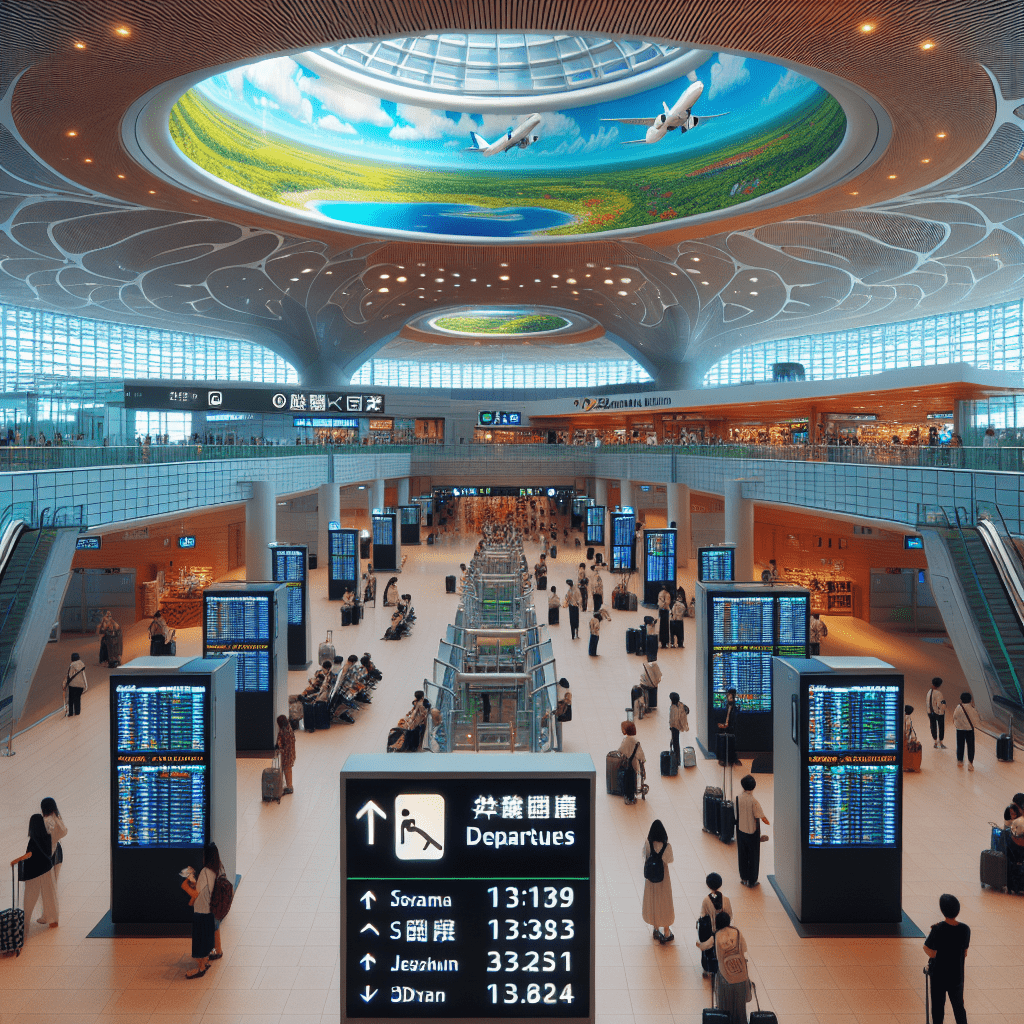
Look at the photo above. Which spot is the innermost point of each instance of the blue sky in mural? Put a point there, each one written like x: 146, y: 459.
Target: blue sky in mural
x: 279, y: 95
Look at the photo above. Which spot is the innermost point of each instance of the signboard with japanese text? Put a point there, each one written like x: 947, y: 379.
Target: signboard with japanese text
x: 467, y: 887
x: 282, y: 398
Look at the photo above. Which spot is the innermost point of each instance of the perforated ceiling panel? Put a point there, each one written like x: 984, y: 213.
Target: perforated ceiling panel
x: 935, y: 223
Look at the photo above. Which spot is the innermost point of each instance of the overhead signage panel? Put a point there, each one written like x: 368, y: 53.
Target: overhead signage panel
x: 138, y: 395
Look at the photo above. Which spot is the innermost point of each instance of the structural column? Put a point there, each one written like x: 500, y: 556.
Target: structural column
x: 376, y: 495
x: 678, y: 512
x: 260, y: 530
x: 739, y: 528
x: 625, y: 492
x: 328, y: 511
x: 403, y: 490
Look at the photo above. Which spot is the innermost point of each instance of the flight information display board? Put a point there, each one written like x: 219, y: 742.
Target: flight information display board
x: 659, y: 563
x: 290, y: 568
x: 743, y: 621
x: 794, y: 616
x: 343, y: 564
x: 383, y: 530
x: 749, y: 673
x: 594, y: 526
x: 161, y: 805
x: 409, y: 522
x: 386, y: 541
x: 852, y: 804
x: 854, y: 718
x: 240, y: 624
x: 160, y: 718
x: 623, y: 529
x: 716, y: 565
x: 467, y: 891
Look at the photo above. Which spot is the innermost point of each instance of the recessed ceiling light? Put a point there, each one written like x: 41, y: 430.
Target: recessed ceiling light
x: 623, y: 293
x: 753, y: 280
x: 927, y: 45
x: 867, y: 27
x: 383, y: 291
x: 120, y: 175
x: 695, y: 259
x: 152, y: 191
x: 926, y: 160
x: 72, y: 134
x: 79, y: 45
x: 400, y: 280
x: 87, y: 160
x: 123, y: 31
x: 503, y: 277
x: 294, y: 279
x: 892, y: 176
x: 608, y: 280
x: 854, y: 193
x: 703, y: 282
x: 940, y: 135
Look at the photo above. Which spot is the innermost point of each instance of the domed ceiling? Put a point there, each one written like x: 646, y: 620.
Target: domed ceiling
x: 926, y: 217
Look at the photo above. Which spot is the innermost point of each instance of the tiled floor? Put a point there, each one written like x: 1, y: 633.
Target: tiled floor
x: 281, y: 939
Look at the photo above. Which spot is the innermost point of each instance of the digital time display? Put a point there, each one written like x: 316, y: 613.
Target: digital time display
x: 468, y: 889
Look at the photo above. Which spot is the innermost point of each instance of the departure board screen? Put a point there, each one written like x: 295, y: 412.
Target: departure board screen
x: 237, y: 617
x: 344, y: 546
x: 749, y: 673
x: 383, y: 531
x: 594, y: 524
x: 290, y: 568
x: 161, y: 805
x: 410, y: 515
x: 854, y: 718
x: 160, y: 718
x: 660, y: 556
x: 742, y: 621
x: 794, y: 610
x: 623, y: 529
x: 715, y: 565
x: 623, y: 538
x: 467, y: 897
x: 252, y: 673
x: 851, y: 803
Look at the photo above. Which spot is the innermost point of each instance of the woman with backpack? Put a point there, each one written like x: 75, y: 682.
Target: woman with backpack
x: 205, y: 937
x: 709, y: 910
x: 732, y: 984
x: 658, y: 909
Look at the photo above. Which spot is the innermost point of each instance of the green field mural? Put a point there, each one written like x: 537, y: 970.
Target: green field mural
x: 501, y: 323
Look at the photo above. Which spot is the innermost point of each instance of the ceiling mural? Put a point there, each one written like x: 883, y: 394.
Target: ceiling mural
x: 69, y: 243
x: 730, y: 130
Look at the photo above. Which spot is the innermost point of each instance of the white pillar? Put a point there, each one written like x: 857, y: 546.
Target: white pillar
x: 260, y: 530
x: 403, y: 490
x: 625, y: 492
x: 328, y: 499
x: 376, y: 492
x: 739, y: 528
x: 684, y: 539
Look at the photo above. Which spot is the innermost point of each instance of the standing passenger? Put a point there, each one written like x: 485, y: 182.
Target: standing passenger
x: 748, y: 832
x: 947, y: 946
x: 937, y: 714
x: 676, y: 615
x: 37, y: 874
x: 572, y: 602
x: 595, y: 633
x: 57, y: 831
x: 286, y: 744
x: 664, y: 607
x: 75, y: 684
x: 963, y: 722
x: 658, y: 909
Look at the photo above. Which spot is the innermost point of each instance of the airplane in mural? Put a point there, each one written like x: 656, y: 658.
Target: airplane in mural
x: 518, y: 137
x: 676, y: 116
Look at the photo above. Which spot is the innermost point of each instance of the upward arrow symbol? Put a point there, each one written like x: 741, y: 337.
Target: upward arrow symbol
x: 367, y: 899
x: 368, y: 810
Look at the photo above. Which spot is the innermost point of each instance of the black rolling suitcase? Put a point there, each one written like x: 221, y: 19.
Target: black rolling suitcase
x: 712, y: 809
x: 1004, y: 747
x: 711, y: 1015
x: 552, y: 616
x: 346, y: 616
x: 993, y: 870
x: 652, y: 697
x: 590, y: 554
x: 669, y: 764
x: 612, y: 763
x: 553, y: 553
x: 630, y: 602
x: 12, y: 922
x: 727, y: 811
x: 357, y: 614
x: 449, y: 584
x: 760, y: 1016
x: 309, y: 717
x: 632, y: 639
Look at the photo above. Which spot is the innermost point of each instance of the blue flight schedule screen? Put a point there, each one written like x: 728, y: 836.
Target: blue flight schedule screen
x: 383, y: 531
x: 853, y: 718
x: 749, y: 673
x: 743, y: 621
x: 160, y: 718
x: 853, y: 804
x: 716, y: 565
x: 161, y: 805
x: 344, y: 552
x: 237, y: 618
x: 290, y: 568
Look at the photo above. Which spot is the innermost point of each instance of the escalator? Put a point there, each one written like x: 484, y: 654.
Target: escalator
x: 35, y: 562
x: 986, y: 624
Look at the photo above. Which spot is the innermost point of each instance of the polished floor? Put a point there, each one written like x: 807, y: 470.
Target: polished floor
x: 281, y: 940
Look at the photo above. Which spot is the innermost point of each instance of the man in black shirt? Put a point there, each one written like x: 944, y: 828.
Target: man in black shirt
x: 946, y: 945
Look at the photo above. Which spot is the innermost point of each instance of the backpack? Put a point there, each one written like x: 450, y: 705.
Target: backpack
x: 654, y: 866
x: 732, y: 964
x: 221, y: 897
x: 705, y: 923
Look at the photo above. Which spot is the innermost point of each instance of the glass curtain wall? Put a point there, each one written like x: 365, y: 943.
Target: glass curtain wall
x: 990, y: 339
x: 406, y: 373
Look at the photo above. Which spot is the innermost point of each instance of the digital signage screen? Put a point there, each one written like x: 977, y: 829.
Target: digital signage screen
x: 239, y: 624
x: 749, y: 673
x: 854, y: 718
x: 594, y: 523
x: 161, y: 805
x: 410, y: 515
x: 794, y: 612
x: 853, y: 804
x: 743, y: 621
x: 160, y: 718
x: 715, y: 565
x: 344, y: 554
x: 467, y: 896
x: 290, y: 568
x: 383, y: 531
x: 660, y: 555
x: 88, y: 543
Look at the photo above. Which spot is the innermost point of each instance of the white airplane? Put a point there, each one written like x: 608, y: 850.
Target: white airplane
x: 515, y: 137
x: 676, y: 116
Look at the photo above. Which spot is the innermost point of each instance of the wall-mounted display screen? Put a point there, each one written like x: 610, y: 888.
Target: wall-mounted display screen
x: 410, y: 515
x: 467, y: 898
x: 88, y: 543
x: 853, y: 718
x: 186, y: 542
x: 160, y: 718
x: 715, y: 564
x: 853, y: 804
x: 794, y: 612
x: 913, y: 543
x: 161, y: 805
x: 240, y: 624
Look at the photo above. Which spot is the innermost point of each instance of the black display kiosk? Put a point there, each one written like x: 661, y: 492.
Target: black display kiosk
x: 249, y: 620
x: 172, y: 783
x: 578, y: 511
x: 343, y: 574
x: 839, y: 789
x: 659, y: 564
x: 623, y: 529
x: 289, y: 562
x: 409, y: 518
x: 716, y: 565
x: 741, y: 627
x: 594, y: 531
x: 387, y: 542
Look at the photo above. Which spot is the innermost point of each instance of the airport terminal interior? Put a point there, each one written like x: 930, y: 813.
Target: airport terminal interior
x: 396, y: 298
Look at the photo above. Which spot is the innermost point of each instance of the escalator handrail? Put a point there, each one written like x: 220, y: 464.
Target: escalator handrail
x: 1009, y: 541
x: 1008, y: 574
x: 988, y: 609
x: 9, y: 541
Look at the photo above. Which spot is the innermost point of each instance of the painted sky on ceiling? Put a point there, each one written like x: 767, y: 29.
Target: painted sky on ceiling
x: 282, y: 97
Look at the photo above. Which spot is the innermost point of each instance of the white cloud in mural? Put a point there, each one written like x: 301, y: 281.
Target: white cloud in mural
x: 728, y: 72
x: 331, y: 124
x: 306, y: 111
x: 274, y: 78
x: 787, y: 83
x: 347, y: 103
x: 601, y: 140
x: 422, y: 123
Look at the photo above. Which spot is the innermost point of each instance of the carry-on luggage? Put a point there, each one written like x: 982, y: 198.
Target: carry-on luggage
x: 553, y: 553
x: 912, y: 758
x: 634, y: 637
x: 689, y: 757
x: 652, y: 697
x: 725, y: 747
x: 346, y: 616
x: 273, y: 781
x: 326, y: 649
x: 449, y: 584
x: 727, y: 821
x: 357, y: 614
x: 12, y: 922
x: 590, y: 554
x: 711, y: 1015
x: 760, y: 1016
x: 993, y: 870
x: 712, y: 809
x: 612, y: 763
x: 1004, y: 747
x: 630, y: 602
x: 552, y: 616
x: 669, y: 764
